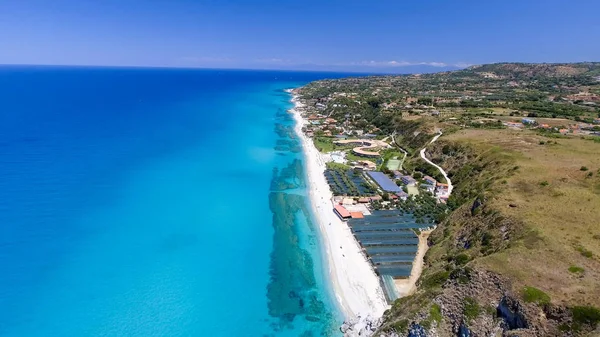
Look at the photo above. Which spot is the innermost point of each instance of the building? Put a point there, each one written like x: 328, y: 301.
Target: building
x: 367, y: 165
x: 528, y: 121
x: 341, y: 212
x: 348, y: 201
x: 402, y: 195
x: 408, y: 180
x: 356, y: 215
x: 441, y: 189
x: 429, y: 188
x: 429, y: 180
x: 384, y: 182
x: 513, y: 125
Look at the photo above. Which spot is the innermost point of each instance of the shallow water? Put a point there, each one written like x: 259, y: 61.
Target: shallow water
x: 153, y: 202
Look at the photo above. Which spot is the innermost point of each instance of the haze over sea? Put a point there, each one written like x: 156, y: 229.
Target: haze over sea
x: 156, y: 202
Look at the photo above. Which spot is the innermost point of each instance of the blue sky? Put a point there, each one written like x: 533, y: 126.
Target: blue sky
x: 309, y: 34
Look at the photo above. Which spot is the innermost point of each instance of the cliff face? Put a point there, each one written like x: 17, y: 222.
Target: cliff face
x: 459, y: 294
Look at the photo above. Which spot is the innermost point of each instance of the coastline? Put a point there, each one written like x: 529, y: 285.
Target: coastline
x: 355, y: 284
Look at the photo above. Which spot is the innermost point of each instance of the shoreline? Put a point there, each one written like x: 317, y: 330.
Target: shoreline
x: 355, y: 284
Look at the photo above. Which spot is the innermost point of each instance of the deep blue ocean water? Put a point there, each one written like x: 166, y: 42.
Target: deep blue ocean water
x: 156, y: 202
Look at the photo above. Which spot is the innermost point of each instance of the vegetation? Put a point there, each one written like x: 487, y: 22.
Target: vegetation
x: 535, y: 295
x: 525, y: 203
x: 435, y: 313
x: 586, y: 315
x: 471, y: 308
x: 324, y: 144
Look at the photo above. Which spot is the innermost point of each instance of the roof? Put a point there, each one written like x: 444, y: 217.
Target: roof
x: 428, y: 178
x: 442, y: 184
x: 343, y: 212
x: 384, y: 181
x: 356, y: 215
x: 363, y: 200
x: 348, y: 201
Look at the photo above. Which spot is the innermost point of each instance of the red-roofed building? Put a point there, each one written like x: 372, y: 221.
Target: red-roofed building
x: 342, y: 212
x: 356, y: 215
x: 430, y: 180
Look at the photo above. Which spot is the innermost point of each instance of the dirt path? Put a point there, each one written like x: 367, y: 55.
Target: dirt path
x: 408, y: 286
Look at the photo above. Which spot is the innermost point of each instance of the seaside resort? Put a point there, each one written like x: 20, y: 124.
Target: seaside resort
x: 385, y: 208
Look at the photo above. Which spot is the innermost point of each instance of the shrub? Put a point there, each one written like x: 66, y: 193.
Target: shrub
x: 586, y: 315
x: 585, y: 252
x: 462, y: 275
x: 400, y: 326
x: 436, y: 279
x: 535, y: 295
x: 461, y: 259
x: 435, y: 313
x: 471, y: 308
x: 576, y: 269
x: 544, y: 183
x: 583, y: 168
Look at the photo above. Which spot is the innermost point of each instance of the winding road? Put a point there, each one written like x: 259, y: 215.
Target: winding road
x: 436, y: 166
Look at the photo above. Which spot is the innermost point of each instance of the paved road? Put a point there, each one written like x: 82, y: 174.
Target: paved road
x: 450, y: 187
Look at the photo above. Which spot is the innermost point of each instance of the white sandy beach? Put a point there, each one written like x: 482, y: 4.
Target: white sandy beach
x: 355, y: 284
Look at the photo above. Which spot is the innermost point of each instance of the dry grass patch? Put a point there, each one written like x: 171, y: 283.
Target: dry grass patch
x: 558, y: 202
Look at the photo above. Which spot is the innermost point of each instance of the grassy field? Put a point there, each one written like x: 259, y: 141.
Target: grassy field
x: 556, y: 194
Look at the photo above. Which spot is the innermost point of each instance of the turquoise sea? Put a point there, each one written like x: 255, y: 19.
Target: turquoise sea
x: 156, y: 202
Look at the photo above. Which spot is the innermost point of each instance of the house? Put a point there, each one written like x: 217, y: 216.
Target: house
x: 528, y: 121
x: 367, y: 165
x: 429, y: 180
x: 428, y: 187
x: 402, y: 195
x: 397, y: 175
x: 408, y: 180
x: 376, y: 198
x: 441, y: 188
x: 341, y: 212
x: 364, y: 200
